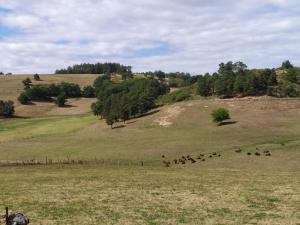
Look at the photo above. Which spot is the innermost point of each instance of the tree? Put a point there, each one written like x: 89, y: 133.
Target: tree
x: 204, y: 85
x: 219, y: 115
x: 287, y: 65
x: 292, y: 75
x: 110, y: 120
x: 97, y: 108
x: 27, y: 83
x: 71, y: 90
x: 88, y: 92
x: 61, y: 100
x: 23, y: 98
x: 38, y: 93
x: 7, y: 108
x: 36, y: 77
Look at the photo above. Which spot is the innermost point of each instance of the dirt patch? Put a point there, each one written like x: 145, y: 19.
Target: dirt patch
x: 170, y: 114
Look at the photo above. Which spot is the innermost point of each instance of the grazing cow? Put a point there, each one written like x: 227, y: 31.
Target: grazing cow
x: 257, y: 153
x: 249, y: 153
x: 214, y: 153
x: 203, y: 160
x: 193, y: 160
x: 268, y: 154
x: 163, y: 156
x: 199, y: 157
x: 210, y: 156
x: 219, y: 155
x: 175, y: 161
x: 239, y: 150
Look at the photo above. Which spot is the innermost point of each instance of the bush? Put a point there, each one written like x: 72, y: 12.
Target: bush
x: 61, y: 100
x: 7, y: 108
x: 36, y: 77
x: 27, y: 83
x: 176, y: 96
x: 219, y: 115
x: 38, y: 93
x: 71, y: 90
x: 23, y: 98
x: 88, y: 92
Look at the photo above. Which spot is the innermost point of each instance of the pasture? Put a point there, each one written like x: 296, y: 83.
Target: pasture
x: 235, y: 188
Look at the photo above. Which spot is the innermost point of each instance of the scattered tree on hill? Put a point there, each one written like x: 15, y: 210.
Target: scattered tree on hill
x: 27, y: 83
x: 219, y: 115
x: 287, y: 65
x: 36, y: 77
x: 1, y: 73
x: 61, y: 100
x: 88, y: 92
x: 70, y: 89
x: 38, y: 93
x: 7, y: 108
x: 23, y: 98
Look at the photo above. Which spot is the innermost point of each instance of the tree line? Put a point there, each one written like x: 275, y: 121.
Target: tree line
x: 122, y: 101
x: 98, y: 68
x: 236, y: 80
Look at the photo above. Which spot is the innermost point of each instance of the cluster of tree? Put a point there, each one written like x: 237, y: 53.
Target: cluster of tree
x: 61, y: 91
x: 7, y: 108
x: 7, y: 74
x: 234, y: 79
x: 122, y: 101
x: 98, y: 68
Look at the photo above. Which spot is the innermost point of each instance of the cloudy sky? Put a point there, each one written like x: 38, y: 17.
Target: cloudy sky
x: 39, y: 36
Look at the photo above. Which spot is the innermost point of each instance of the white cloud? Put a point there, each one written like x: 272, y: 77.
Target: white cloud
x: 51, y: 34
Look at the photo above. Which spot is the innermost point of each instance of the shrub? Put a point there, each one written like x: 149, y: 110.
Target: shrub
x: 38, y: 93
x: 88, y: 92
x: 7, y: 108
x: 176, y: 96
x: 23, y: 98
x: 219, y: 115
x: 61, y: 100
x: 36, y: 77
x: 27, y: 83
x: 71, y: 90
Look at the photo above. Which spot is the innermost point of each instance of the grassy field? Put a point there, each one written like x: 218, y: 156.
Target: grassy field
x: 231, y: 189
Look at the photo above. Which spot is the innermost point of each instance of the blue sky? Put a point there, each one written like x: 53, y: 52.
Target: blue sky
x: 180, y: 35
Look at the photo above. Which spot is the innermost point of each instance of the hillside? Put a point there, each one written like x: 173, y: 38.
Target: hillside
x: 122, y: 172
x: 11, y: 87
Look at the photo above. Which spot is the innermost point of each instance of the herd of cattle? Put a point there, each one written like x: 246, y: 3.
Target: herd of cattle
x: 203, y: 157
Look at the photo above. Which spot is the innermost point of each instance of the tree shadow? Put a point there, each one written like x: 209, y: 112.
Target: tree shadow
x: 148, y: 113
x: 227, y: 123
x: 131, y: 122
x: 68, y: 106
x: 119, y: 127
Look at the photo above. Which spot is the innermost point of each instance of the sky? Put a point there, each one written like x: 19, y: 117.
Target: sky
x: 40, y: 36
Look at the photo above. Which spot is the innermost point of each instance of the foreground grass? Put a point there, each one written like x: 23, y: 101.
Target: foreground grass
x: 151, y: 195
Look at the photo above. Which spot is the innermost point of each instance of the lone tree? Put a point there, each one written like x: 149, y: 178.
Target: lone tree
x: 287, y: 65
x: 23, y: 98
x: 219, y: 115
x: 36, y: 77
x: 27, y: 83
x: 61, y: 100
